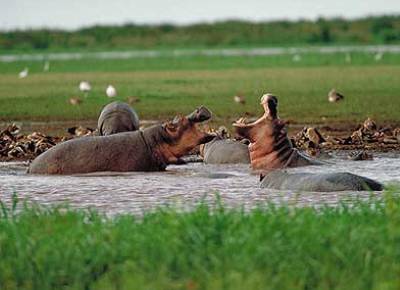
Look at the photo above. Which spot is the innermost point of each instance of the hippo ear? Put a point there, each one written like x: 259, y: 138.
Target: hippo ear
x: 199, y: 115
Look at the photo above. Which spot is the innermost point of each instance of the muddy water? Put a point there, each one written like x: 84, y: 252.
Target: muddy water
x: 183, y: 186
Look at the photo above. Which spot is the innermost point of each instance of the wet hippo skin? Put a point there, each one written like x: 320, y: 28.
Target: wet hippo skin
x: 323, y: 182
x: 226, y: 151
x: 117, y: 117
x: 271, y: 151
x: 149, y: 150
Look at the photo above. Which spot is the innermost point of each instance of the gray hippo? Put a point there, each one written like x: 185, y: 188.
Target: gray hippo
x: 324, y: 182
x: 271, y: 150
x: 149, y: 150
x: 117, y: 117
x: 225, y: 151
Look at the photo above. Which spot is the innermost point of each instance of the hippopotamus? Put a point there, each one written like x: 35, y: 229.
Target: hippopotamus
x: 271, y: 151
x: 149, y: 150
x: 323, y: 182
x: 226, y: 151
x: 117, y: 117
x: 270, y: 146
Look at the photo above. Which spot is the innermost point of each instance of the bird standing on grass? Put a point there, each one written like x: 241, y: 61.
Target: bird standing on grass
x: 85, y: 87
x: 111, y: 91
x: 347, y: 58
x: 239, y: 99
x: 334, y: 96
x: 378, y: 56
x: 75, y: 101
x: 296, y: 58
x: 46, y: 66
x: 23, y: 73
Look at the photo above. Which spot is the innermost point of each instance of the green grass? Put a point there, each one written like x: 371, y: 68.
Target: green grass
x: 347, y: 247
x: 167, y: 86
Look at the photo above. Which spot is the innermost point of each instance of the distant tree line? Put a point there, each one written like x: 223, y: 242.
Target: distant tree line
x: 369, y: 30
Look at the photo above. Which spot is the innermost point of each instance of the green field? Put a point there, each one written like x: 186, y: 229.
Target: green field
x: 170, y: 85
x: 344, y: 247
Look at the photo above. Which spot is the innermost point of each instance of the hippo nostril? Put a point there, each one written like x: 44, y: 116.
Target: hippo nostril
x: 199, y: 115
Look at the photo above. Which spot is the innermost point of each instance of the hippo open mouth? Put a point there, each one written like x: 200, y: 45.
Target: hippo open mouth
x: 270, y: 147
x: 270, y: 103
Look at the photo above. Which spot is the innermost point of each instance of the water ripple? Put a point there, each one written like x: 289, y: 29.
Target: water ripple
x: 182, y: 186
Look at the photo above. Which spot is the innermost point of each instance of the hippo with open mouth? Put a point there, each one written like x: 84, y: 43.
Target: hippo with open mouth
x: 149, y: 150
x: 117, y: 117
x: 271, y: 150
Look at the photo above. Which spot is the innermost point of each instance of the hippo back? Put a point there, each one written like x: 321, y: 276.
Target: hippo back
x: 117, y: 117
x: 319, y: 182
x: 224, y: 151
x: 126, y: 151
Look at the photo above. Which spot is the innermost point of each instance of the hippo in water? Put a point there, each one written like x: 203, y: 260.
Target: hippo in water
x: 271, y: 150
x: 117, y: 117
x: 270, y: 146
x: 149, y: 150
x: 225, y: 151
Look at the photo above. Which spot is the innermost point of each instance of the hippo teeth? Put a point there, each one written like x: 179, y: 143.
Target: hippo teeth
x: 242, y: 120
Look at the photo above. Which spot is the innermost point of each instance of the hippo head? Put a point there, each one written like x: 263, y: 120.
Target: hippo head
x: 267, y: 126
x: 269, y: 147
x: 182, y: 133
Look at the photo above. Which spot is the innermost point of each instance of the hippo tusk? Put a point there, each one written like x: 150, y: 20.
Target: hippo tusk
x: 201, y: 114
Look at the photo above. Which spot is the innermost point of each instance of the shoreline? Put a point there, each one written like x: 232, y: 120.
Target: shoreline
x: 24, y: 142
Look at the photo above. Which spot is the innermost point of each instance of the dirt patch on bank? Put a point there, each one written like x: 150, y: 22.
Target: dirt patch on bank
x: 24, y: 141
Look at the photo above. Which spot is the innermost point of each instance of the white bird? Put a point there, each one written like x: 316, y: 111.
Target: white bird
x: 111, y: 91
x: 347, y: 58
x: 296, y: 58
x: 24, y: 73
x: 334, y: 96
x: 46, y: 66
x: 239, y: 99
x: 378, y: 56
x: 85, y: 86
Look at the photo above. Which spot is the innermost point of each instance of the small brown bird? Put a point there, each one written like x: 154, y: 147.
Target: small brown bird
x: 75, y: 101
x: 239, y: 99
x: 334, y: 96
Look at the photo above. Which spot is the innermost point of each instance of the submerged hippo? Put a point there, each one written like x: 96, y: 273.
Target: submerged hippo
x: 323, y: 182
x: 117, y: 117
x: 271, y: 150
x: 149, y: 150
x: 226, y: 151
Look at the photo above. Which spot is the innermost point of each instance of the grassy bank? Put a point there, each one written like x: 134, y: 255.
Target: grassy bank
x: 167, y: 86
x: 267, y: 248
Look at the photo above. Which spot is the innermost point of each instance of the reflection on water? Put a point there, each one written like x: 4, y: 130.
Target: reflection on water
x: 182, y: 186
x: 204, y: 52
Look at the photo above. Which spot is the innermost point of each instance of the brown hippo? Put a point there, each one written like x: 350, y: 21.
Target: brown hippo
x: 117, y: 117
x: 271, y: 150
x: 149, y: 150
x: 270, y: 147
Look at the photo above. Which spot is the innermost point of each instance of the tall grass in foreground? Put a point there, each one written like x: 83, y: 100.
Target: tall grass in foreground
x: 347, y: 247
